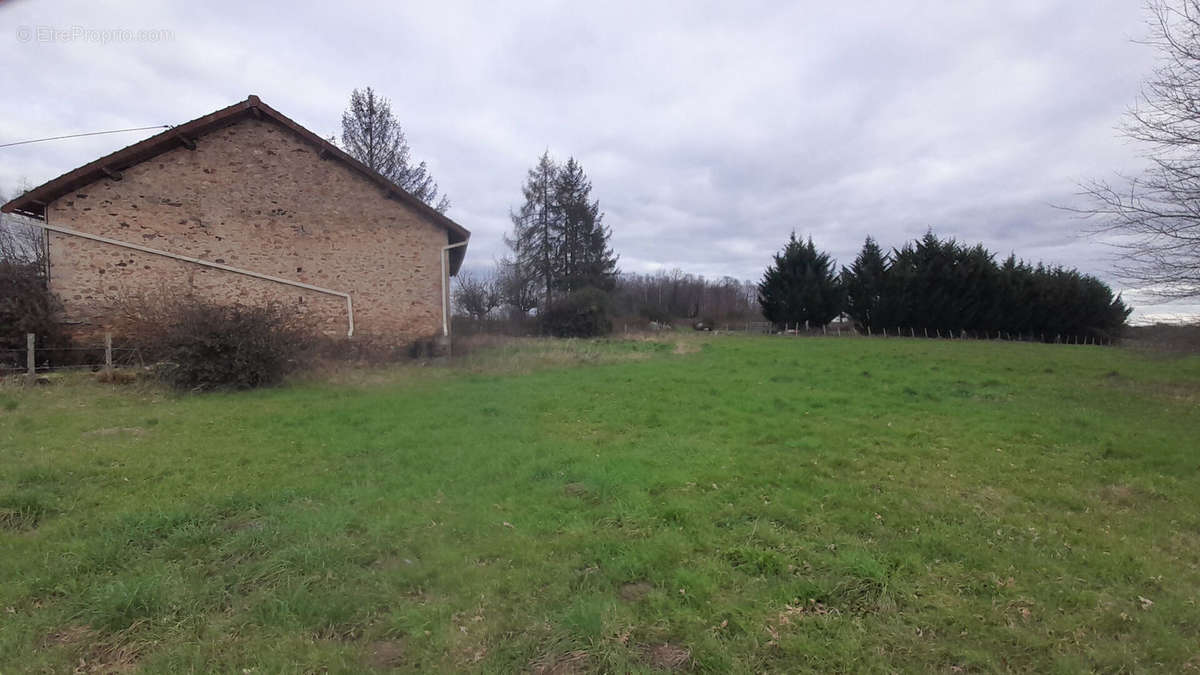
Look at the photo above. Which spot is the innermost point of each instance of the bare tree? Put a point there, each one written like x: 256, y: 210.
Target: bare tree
x: 1154, y: 219
x: 518, y: 286
x: 26, y: 303
x: 373, y: 136
x: 674, y: 295
x: 21, y: 241
x: 477, y: 296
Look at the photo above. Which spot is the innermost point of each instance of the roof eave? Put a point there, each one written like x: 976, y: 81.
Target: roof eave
x: 148, y: 148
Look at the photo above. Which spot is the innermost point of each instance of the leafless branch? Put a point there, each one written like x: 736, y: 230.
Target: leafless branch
x: 1153, y: 220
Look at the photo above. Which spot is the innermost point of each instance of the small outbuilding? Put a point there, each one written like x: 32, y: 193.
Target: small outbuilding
x: 245, y: 205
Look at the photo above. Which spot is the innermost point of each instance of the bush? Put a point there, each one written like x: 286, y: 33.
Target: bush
x: 27, y: 306
x: 584, y: 313
x: 655, y: 314
x: 209, y: 346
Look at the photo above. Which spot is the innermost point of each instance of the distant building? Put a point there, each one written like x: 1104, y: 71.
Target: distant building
x: 245, y: 205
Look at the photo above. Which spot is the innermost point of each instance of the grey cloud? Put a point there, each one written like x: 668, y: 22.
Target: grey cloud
x: 710, y: 129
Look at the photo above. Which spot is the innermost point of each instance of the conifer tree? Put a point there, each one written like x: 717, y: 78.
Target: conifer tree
x: 584, y: 258
x: 800, y: 286
x: 941, y: 285
x: 372, y: 135
x: 559, y: 237
x: 537, y: 227
x: 863, y: 282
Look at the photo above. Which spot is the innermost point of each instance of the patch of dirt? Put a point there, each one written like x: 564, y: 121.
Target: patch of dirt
x: 115, y: 431
x: 667, y: 656
x: 1124, y: 496
x: 575, y: 490
x: 632, y: 592
x: 685, y: 348
x: 71, y: 635
x: 96, y: 654
x: 385, y: 654
x: 569, y: 663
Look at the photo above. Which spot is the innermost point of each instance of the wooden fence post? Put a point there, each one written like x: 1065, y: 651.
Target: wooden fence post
x: 30, y: 359
x: 108, y: 351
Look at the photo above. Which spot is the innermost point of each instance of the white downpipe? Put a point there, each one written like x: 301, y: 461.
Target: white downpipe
x: 445, y: 289
x: 205, y: 263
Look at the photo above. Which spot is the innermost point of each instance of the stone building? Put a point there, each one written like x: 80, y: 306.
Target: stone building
x: 245, y: 205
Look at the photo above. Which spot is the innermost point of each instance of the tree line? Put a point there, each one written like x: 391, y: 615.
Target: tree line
x: 666, y: 296
x: 662, y: 297
x: 560, y: 258
x: 938, y: 285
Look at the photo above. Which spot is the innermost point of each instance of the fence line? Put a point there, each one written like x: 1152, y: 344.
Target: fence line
x: 799, y: 330
x: 34, y: 359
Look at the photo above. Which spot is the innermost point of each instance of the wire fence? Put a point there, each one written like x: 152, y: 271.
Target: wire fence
x: 35, y: 358
x: 848, y: 330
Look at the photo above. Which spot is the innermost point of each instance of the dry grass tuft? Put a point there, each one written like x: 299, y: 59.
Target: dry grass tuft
x: 568, y: 663
x: 95, y: 652
x: 667, y: 656
x: 115, y: 431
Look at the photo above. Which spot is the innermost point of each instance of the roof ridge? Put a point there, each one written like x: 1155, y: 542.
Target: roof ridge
x: 34, y: 202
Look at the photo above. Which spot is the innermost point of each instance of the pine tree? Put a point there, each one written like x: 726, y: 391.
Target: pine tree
x: 800, y: 286
x: 584, y: 256
x: 1013, y: 311
x: 941, y: 285
x: 372, y: 135
x: 863, y: 282
x: 537, y: 227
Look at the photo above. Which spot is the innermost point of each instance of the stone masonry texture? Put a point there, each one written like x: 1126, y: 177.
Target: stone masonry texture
x: 254, y: 196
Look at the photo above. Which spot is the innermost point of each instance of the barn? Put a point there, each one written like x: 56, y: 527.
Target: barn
x: 245, y: 205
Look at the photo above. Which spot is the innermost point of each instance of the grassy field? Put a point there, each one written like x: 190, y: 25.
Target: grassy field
x: 715, y: 504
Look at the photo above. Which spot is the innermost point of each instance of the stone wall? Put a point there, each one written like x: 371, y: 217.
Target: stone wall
x: 253, y: 196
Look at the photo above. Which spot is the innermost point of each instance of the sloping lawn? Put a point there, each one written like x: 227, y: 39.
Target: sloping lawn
x: 724, y: 504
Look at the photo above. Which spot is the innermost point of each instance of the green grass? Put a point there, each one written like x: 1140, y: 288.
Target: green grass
x: 756, y: 504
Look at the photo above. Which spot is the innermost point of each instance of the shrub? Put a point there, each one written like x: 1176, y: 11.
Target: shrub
x: 27, y: 306
x: 584, y: 313
x: 209, y: 346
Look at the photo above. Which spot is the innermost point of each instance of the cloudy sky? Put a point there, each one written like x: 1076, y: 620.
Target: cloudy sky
x: 710, y: 129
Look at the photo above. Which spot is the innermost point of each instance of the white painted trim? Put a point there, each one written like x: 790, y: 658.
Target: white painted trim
x: 206, y: 263
x: 446, y: 289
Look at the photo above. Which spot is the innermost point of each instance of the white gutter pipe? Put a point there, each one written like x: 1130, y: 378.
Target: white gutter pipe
x: 205, y: 263
x: 445, y: 290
